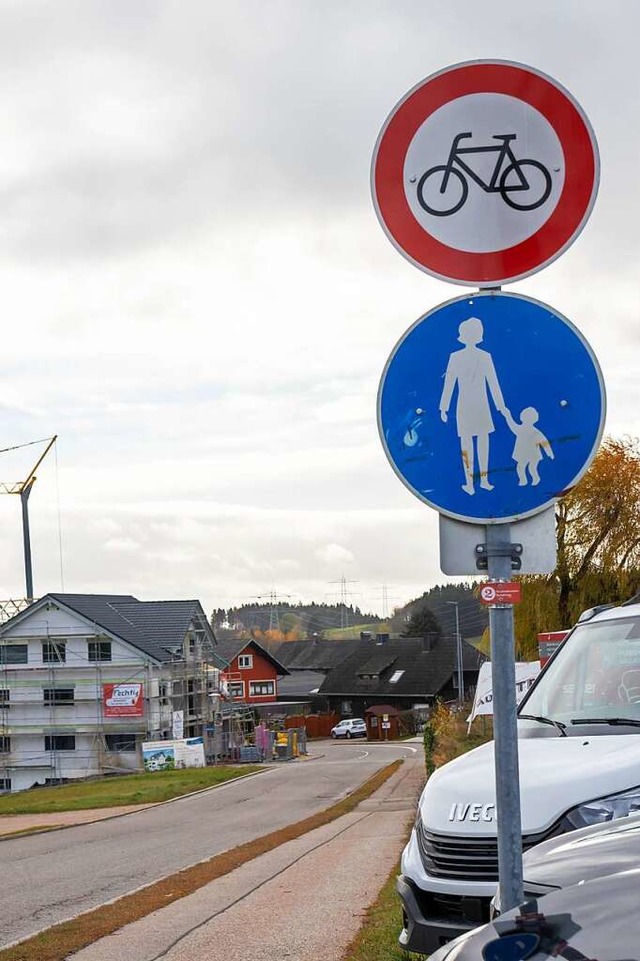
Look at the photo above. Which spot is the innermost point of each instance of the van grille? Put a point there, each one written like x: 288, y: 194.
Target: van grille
x: 468, y: 858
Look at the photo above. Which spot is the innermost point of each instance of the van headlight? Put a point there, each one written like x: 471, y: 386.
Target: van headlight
x: 605, y: 809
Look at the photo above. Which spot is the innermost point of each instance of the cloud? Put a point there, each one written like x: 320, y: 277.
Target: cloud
x: 334, y: 554
x: 199, y: 301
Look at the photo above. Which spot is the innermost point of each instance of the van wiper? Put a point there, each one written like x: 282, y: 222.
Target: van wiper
x: 559, y: 726
x: 630, y: 721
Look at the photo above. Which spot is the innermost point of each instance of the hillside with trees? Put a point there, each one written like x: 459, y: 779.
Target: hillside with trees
x: 433, y: 612
x: 289, y: 622
x: 440, y: 602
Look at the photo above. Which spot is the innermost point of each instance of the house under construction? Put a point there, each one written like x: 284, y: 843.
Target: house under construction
x: 86, y: 678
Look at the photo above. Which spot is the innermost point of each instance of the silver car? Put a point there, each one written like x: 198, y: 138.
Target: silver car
x: 594, y: 919
x: 350, y: 727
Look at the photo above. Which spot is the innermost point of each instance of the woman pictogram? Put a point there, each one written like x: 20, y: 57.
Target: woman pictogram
x: 471, y: 370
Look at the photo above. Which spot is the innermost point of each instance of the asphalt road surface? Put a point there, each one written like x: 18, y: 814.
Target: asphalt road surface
x: 303, y: 901
x: 58, y: 875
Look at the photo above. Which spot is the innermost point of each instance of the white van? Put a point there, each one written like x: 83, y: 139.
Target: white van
x: 579, y: 759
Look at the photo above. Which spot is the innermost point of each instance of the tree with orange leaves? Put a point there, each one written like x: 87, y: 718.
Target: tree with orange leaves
x: 598, y: 542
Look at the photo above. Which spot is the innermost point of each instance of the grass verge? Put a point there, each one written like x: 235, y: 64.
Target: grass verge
x: 61, y: 940
x: 377, y: 939
x: 118, y: 791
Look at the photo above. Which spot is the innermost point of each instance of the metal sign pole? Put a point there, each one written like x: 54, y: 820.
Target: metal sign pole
x: 505, y: 727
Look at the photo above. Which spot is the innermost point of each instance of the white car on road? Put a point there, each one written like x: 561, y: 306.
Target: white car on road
x: 350, y: 727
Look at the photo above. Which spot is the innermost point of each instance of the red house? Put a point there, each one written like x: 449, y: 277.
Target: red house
x: 252, y: 674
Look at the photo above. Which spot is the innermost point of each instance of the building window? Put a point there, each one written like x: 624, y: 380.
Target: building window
x: 236, y: 688
x: 5, y: 697
x: 99, y: 650
x: 261, y: 688
x: 14, y: 654
x: 59, y: 742
x: 58, y: 695
x: 120, y: 743
x: 5, y: 784
x: 5, y: 744
x: 54, y: 652
x: 245, y: 661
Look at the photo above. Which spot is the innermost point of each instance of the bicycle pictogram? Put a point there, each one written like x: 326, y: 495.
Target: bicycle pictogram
x: 522, y: 184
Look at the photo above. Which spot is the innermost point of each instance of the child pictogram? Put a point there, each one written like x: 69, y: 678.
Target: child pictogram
x: 529, y: 446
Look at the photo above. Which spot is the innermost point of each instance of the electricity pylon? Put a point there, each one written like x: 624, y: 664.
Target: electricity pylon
x: 274, y: 619
x: 344, y: 596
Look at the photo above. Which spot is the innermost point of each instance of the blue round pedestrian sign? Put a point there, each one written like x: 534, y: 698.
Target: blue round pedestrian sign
x: 491, y: 407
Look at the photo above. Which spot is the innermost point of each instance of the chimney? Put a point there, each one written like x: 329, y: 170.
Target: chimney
x: 381, y: 639
x: 429, y: 641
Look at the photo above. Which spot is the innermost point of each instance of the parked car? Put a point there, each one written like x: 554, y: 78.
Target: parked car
x: 350, y: 727
x: 593, y: 852
x: 597, y: 919
x: 579, y: 757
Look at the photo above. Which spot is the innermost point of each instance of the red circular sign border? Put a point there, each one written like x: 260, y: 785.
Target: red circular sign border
x: 556, y: 234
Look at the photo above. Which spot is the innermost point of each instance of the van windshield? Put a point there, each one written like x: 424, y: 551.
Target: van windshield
x: 595, y: 676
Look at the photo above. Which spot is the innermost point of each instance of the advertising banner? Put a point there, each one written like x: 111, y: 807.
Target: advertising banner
x: 173, y: 755
x: 526, y: 673
x: 122, y: 700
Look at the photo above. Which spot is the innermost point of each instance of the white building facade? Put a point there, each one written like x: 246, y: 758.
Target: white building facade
x: 85, y: 679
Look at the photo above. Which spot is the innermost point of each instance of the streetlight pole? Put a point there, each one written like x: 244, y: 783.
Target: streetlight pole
x: 459, y: 656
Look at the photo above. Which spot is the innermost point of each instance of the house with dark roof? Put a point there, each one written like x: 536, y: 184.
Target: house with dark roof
x: 405, y: 673
x: 308, y: 661
x: 314, y: 654
x: 252, y: 672
x: 86, y: 678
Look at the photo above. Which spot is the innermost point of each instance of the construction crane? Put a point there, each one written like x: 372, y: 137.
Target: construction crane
x: 24, y: 488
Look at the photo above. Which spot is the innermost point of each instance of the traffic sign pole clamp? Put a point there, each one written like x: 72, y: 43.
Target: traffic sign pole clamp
x: 485, y: 552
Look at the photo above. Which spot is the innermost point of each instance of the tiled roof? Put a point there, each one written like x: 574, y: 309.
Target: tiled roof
x: 424, y: 671
x: 229, y: 648
x: 314, y: 655
x: 299, y: 684
x: 157, y: 628
x: 377, y: 663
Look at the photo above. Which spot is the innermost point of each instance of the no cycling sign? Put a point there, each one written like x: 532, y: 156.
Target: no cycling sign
x: 484, y: 173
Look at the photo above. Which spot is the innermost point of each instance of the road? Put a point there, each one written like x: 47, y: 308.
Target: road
x: 57, y: 875
x: 303, y: 901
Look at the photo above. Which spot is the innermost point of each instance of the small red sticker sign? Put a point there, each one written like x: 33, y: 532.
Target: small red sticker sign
x: 496, y: 592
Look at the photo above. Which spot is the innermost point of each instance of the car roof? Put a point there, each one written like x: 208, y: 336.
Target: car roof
x: 615, y: 613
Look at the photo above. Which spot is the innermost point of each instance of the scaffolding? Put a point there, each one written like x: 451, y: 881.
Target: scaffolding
x: 233, y: 729
x: 42, y: 698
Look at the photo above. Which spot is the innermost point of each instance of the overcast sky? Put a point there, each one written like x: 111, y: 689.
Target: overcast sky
x: 199, y: 300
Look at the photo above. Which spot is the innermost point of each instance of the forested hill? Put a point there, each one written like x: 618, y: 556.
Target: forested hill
x: 289, y: 619
x: 441, y: 600
x: 284, y: 621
